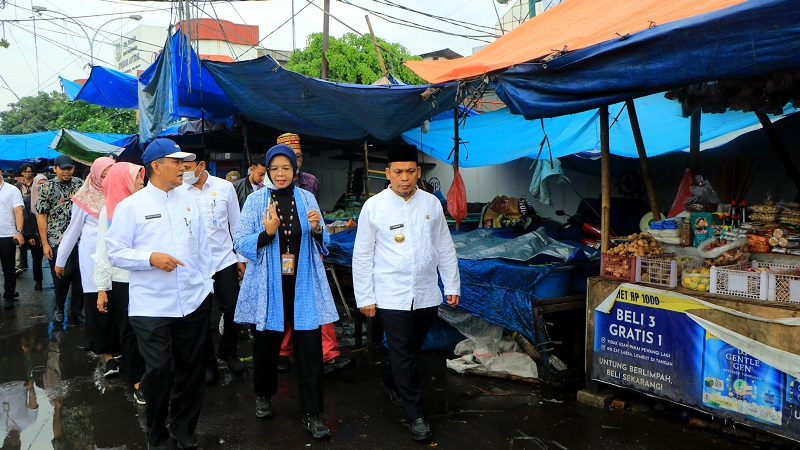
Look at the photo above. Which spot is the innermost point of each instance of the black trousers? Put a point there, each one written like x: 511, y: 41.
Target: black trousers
x: 37, y: 255
x: 8, y: 251
x: 133, y: 364
x: 72, y: 277
x: 174, y: 381
x: 405, y: 333
x: 102, y: 335
x: 226, y: 291
x: 22, y: 261
x: 308, y: 368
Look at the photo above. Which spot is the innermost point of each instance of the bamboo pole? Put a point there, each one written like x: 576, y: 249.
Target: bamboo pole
x: 377, y: 49
x: 694, y: 144
x: 366, y: 171
x: 457, y: 145
x: 648, y: 179
x: 605, y: 175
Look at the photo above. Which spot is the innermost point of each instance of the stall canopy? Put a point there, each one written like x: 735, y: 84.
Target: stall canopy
x: 499, y: 137
x: 84, y: 148
x: 271, y: 95
x: 31, y: 148
x: 176, y: 86
x: 105, y: 87
x: 632, y: 48
x: 571, y: 25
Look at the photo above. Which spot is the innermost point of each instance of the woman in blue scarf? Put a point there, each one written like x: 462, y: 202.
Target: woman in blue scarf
x: 282, y: 235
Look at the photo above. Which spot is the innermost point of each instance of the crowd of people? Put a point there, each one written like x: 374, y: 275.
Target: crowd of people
x: 140, y: 262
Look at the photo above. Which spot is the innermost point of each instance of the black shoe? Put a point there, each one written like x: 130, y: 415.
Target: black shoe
x: 263, y: 408
x: 212, y: 376
x: 58, y: 315
x: 420, y: 430
x: 284, y: 364
x: 394, y: 397
x: 77, y: 320
x: 37, y: 286
x: 314, y: 425
x: 190, y: 442
x: 138, y: 396
x: 235, y: 365
x: 18, y: 272
x: 9, y: 304
x: 16, y: 296
x: 336, y: 365
x: 111, y: 369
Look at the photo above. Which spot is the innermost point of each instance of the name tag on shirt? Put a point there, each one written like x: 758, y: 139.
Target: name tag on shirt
x: 152, y: 216
x: 394, y: 227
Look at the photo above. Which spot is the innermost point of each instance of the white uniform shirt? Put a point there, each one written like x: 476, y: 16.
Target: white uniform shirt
x: 10, y: 198
x: 82, y: 226
x: 104, y: 272
x: 403, y: 276
x: 152, y: 220
x: 219, y: 207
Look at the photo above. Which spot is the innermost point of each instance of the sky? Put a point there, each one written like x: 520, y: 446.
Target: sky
x: 50, y: 46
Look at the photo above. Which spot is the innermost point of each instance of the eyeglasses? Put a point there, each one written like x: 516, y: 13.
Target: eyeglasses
x: 275, y: 169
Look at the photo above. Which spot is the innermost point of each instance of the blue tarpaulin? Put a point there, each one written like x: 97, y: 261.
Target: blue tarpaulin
x: 105, y: 87
x: 755, y: 37
x: 500, y: 136
x: 19, y: 148
x: 176, y: 86
x: 271, y: 95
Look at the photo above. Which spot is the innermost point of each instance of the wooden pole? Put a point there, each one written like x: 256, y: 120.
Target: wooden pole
x: 366, y: 171
x: 648, y: 179
x: 456, y: 143
x: 605, y: 175
x: 325, y: 33
x: 377, y: 49
x: 694, y: 144
x: 781, y: 150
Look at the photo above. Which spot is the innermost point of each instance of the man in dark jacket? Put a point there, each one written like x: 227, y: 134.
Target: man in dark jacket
x: 253, y: 181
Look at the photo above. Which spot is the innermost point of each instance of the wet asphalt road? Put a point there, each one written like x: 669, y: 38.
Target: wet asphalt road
x: 76, y: 403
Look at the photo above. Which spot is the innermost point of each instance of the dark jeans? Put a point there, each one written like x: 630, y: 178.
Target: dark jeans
x: 174, y: 381
x: 308, y: 367
x: 133, y: 364
x: 37, y: 256
x: 405, y: 333
x: 226, y: 291
x: 72, y: 277
x: 8, y: 250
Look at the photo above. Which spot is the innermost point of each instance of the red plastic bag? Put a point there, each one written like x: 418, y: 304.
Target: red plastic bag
x: 683, y: 193
x: 457, y: 198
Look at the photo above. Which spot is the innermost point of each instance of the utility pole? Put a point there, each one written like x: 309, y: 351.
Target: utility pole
x: 325, y: 33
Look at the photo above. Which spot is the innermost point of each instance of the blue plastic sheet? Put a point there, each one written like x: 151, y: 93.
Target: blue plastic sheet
x: 755, y: 37
x: 105, y: 87
x: 18, y: 148
x: 500, y: 136
x: 271, y: 95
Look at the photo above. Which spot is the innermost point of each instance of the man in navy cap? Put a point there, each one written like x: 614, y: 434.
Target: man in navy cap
x: 53, y: 212
x: 156, y: 234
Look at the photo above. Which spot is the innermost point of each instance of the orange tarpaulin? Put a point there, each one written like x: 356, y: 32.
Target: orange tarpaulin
x: 573, y: 24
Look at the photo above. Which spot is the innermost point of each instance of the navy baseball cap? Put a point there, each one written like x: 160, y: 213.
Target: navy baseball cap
x: 164, y: 148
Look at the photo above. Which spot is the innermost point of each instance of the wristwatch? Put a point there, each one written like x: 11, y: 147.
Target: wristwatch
x: 19, y: 231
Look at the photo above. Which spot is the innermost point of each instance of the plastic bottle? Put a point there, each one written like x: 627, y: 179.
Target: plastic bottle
x: 734, y: 214
x: 743, y: 211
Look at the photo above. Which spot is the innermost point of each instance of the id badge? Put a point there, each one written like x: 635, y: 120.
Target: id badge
x: 287, y: 264
x: 192, y: 245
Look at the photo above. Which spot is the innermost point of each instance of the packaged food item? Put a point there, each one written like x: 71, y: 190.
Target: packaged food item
x: 702, y: 224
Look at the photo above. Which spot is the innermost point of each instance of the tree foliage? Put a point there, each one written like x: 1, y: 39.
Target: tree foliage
x: 51, y: 111
x: 352, y: 59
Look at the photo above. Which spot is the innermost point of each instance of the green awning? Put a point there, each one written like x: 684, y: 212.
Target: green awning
x: 82, y: 148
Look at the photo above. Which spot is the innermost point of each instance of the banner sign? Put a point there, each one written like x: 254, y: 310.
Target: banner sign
x: 683, y: 349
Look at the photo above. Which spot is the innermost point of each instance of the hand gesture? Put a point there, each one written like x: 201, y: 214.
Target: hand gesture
x: 47, y: 250
x: 271, y: 223
x: 59, y: 271
x: 165, y: 262
x: 368, y: 310
x: 452, y: 300
x: 102, y: 301
x: 314, y: 218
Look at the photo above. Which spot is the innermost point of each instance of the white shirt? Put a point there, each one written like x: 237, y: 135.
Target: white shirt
x: 10, y: 198
x: 403, y: 276
x: 104, y: 272
x: 149, y: 221
x: 219, y: 206
x: 82, y: 226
